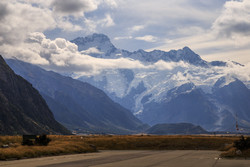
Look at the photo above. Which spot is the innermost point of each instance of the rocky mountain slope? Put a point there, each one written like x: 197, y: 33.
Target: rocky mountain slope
x: 22, y: 108
x: 77, y: 105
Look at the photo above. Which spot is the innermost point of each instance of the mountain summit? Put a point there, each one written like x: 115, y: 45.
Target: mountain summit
x: 101, y: 47
x: 98, y: 42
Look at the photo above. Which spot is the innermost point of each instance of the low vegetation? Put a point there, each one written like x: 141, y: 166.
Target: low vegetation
x: 153, y: 142
x: 239, y: 149
x: 81, y: 144
x: 59, y: 145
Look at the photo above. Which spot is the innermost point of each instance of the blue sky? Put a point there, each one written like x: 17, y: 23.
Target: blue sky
x: 215, y: 29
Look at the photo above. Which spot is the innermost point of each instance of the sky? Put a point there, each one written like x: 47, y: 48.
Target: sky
x: 33, y: 30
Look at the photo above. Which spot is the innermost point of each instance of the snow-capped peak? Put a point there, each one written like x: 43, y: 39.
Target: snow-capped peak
x: 103, y: 44
x: 99, y: 41
x: 223, y: 81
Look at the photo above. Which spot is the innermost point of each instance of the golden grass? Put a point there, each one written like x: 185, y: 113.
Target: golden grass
x: 159, y: 142
x: 233, y: 153
x: 10, y: 139
x: 58, y: 146
x: 80, y: 144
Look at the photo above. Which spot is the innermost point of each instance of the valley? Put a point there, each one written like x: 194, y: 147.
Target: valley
x: 166, y: 87
x: 169, y: 80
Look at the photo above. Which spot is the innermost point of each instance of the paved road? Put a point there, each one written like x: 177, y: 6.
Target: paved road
x: 176, y: 158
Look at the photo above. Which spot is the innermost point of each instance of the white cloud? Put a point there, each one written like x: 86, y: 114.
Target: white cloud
x: 147, y: 38
x: 40, y: 3
x: 228, y: 38
x: 19, y: 18
x: 162, y: 65
x: 137, y: 28
x: 122, y: 38
x: 165, y: 13
x: 234, y: 20
x: 111, y: 3
x: 180, y: 22
x: 107, y: 21
x: 22, y: 19
x: 188, y: 31
x: 24, y: 52
x: 64, y: 24
x: 62, y: 56
x: 241, y: 56
x: 91, y: 51
x: 91, y: 24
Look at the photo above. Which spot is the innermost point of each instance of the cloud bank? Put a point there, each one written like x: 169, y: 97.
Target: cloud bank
x: 201, y: 25
x: 13, y: 28
x: 21, y: 17
x: 226, y: 38
x: 234, y: 20
x: 63, y: 56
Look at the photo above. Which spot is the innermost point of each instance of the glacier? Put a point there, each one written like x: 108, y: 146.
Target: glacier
x: 136, y: 88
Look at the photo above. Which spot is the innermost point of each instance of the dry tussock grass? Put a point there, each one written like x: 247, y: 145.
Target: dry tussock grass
x: 80, y: 144
x: 238, y: 149
x: 159, y: 142
x: 58, y: 146
x: 233, y: 153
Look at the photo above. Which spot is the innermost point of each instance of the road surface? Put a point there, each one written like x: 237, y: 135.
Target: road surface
x: 176, y: 158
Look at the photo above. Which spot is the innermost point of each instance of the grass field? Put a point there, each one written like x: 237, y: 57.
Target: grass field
x: 58, y: 146
x: 81, y: 144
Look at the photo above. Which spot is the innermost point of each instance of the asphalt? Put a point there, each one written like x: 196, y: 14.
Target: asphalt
x: 176, y: 158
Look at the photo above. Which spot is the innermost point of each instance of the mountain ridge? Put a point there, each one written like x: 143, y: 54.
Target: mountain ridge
x: 108, y: 50
x: 136, y: 89
x: 23, y: 110
x: 173, y: 87
x: 90, y: 108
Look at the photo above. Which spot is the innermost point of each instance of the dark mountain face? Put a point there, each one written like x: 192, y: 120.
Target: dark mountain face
x: 218, y: 63
x: 229, y: 101
x: 191, y: 106
x: 78, y: 105
x: 22, y: 109
x: 178, y: 128
x: 235, y: 95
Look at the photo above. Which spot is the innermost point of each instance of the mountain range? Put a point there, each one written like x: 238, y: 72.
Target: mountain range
x: 23, y: 110
x: 190, y: 90
x: 106, y: 50
x: 173, y: 87
x: 78, y: 105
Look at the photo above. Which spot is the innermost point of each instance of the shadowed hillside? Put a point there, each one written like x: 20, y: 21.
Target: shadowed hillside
x: 22, y: 108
